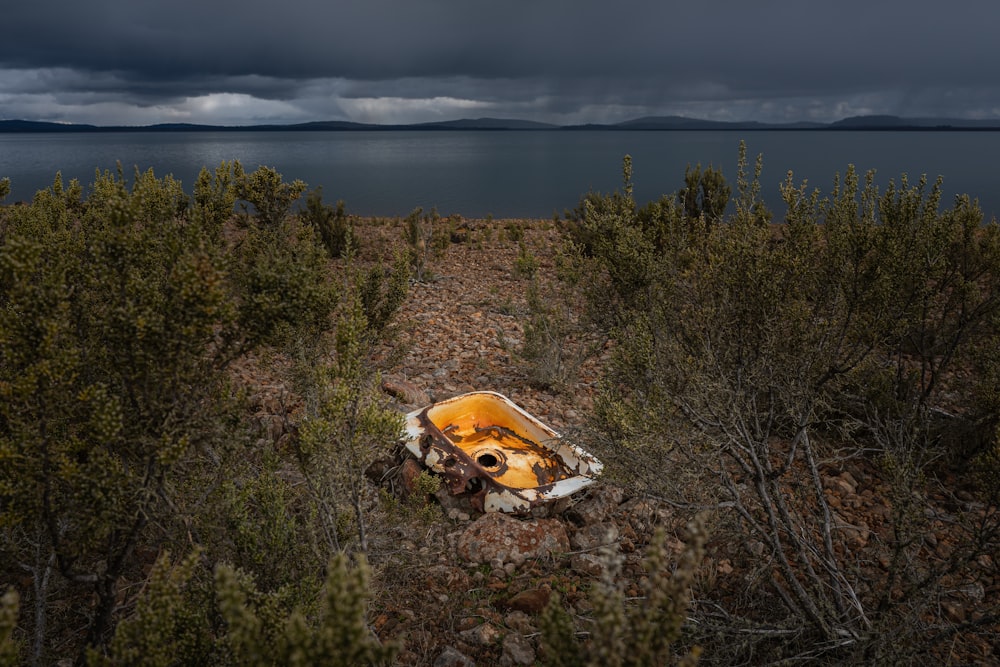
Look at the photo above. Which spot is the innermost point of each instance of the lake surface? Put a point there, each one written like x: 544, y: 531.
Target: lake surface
x: 508, y: 173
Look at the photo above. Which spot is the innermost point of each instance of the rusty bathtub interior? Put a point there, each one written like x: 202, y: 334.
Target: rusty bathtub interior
x: 491, y: 450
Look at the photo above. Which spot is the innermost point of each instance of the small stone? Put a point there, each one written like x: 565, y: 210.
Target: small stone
x: 519, y: 621
x: 405, y: 392
x: 974, y: 591
x: 530, y: 601
x: 408, y: 473
x: 953, y: 611
x: 587, y: 564
x: 482, y: 635
x: 594, y: 535
x: 452, y: 657
x: 517, y: 651
x: 467, y: 623
x: 600, y: 503
x: 848, y: 479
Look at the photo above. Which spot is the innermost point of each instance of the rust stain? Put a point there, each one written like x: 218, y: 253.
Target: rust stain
x: 490, y: 449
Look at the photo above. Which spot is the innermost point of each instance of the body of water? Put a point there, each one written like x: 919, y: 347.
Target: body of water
x: 508, y: 173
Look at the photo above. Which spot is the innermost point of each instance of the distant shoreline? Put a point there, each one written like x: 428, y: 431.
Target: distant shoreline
x: 658, y: 124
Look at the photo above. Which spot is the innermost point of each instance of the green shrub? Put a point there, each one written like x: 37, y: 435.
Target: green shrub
x: 270, y: 196
x: 621, y: 634
x: 186, y: 616
x: 526, y: 264
x: 120, y: 316
x: 9, y: 649
x: 215, y: 196
x: 331, y: 223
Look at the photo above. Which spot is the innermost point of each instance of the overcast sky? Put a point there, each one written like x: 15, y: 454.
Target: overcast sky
x: 138, y: 62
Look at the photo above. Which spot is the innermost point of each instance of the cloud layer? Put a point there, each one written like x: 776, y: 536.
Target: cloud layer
x: 563, y: 61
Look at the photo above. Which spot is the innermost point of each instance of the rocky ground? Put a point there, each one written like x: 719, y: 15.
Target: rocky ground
x: 458, y: 588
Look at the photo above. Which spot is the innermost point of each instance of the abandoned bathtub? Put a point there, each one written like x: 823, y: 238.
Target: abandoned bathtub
x: 492, y: 451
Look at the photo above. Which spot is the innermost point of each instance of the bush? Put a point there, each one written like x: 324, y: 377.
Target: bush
x: 755, y: 348
x: 188, y: 617
x: 626, y: 635
x: 121, y: 318
x: 331, y: 223
x: 271, y: 197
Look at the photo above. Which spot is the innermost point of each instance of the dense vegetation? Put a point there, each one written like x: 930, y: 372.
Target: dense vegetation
x: 753, y: 360
x: 122, y: 317
x: 145, y: 518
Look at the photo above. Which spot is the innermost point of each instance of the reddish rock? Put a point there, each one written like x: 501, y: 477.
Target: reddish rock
x: 855, y: 535
x: 843, y: 485
x: 848, y: 479
x: 497, y: 536
x: 408, y: 473
x: 530, y: 601
x: 405, y: 392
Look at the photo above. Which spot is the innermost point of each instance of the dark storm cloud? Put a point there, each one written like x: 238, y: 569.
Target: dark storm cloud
x: 552, y: 59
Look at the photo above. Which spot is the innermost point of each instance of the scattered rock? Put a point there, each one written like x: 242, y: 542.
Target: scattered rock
x: 452, y: 657
x: 953, y: 611
x: 587, y: 564
x: 485, y: 634
x: 450, y: 502
x: 601, y: 502
x: 842, y: 485
x: 530, y: 601
x: 405, y: 392
x: 456, y: 514
x: 641, y: 515
x: 497, y: 536
x: 409, y: 470
x: 594, y: 535
x: 518, y: 621
x: 552, y: 508
x: 974, y: 591
x: 517, y: 651
x: 855, y: 535
x: 467, y: 623
x: 851, y: 479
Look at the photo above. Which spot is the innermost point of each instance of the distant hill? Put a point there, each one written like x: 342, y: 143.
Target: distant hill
x: 664, y: 123
x: 38, y: 126
x: 486, y: 124
x: 684, y: 123
x: 884, y: 122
